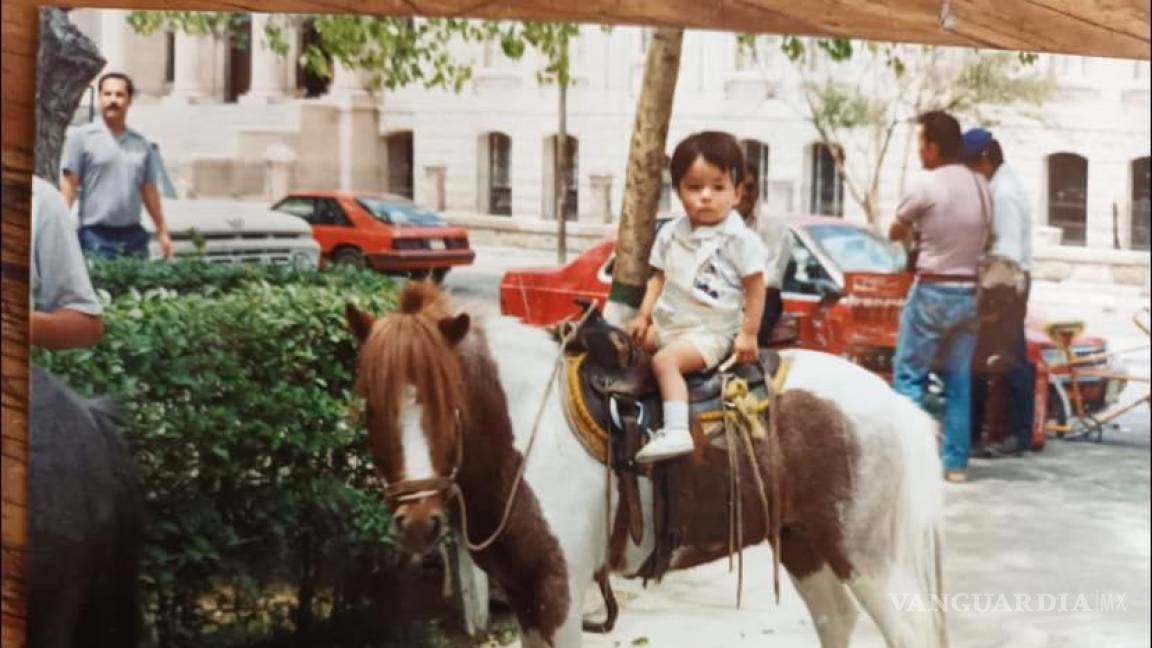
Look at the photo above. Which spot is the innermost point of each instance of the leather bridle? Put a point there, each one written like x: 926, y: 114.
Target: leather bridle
x: 407, y: 491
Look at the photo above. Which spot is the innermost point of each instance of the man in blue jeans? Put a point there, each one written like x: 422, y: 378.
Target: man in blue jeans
x: 113, y: 170
x: 949, y: 208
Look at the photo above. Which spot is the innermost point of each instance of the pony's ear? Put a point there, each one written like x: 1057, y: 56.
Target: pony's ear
x: 455, y: 328
x: 360, y: 322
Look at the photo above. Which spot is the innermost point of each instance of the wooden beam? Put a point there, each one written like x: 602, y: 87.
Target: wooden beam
x: 1115, y: 28
x: 17, y: 132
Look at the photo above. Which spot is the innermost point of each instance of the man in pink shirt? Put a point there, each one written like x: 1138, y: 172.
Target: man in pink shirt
x: 949, y: 207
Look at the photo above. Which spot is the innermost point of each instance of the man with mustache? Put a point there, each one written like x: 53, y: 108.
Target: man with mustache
x: 113, y: 170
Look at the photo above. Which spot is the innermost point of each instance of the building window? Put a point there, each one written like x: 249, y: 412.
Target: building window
x: 756, y: 154
x: 310, y: 83
x: 571, y: 196
x: 496, y: 174
x: 1141, y: 203
x: 239, y: 65
x: 1068, y: 196
x: 827, y: 194
x: 400, y: 163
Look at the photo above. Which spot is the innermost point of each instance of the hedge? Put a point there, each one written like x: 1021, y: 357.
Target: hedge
x: 262, y: 504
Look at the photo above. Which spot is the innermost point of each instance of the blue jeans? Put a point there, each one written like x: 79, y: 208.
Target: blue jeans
x: 105, y: 242
x: 938, y: 331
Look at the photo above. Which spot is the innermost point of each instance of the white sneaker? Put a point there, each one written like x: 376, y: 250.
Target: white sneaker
x: 665, y: 444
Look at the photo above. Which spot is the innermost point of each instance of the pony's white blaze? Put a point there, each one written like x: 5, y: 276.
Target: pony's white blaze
x: 417, y: 451
x: 569, y: 484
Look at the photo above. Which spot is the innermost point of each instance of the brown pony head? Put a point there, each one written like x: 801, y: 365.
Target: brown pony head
x: 409, y: 378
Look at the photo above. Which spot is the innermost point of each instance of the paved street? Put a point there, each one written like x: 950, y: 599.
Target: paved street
x: 1073, y: 520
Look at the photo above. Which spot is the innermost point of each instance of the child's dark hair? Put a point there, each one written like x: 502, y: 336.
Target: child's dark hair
x: 719, y: 149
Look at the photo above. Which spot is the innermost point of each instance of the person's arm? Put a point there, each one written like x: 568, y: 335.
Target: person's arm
x: 638, y: 327
x: 69, y: 184
x: 745, y: 348
x: 912, y: 206
x: 151, y: 198
x: 64, y: 328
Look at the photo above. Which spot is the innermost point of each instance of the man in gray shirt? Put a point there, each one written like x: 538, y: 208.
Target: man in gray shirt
x: 113, y: 169
x: 948, y: 205
x: 65, y: 311
x: 1001, y: 340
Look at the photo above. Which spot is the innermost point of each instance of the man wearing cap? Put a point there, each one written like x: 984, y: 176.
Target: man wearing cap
x: 1001, y: 344
x: 938, y: 323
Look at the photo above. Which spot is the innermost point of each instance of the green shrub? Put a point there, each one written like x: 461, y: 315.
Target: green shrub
x: 236, y: 382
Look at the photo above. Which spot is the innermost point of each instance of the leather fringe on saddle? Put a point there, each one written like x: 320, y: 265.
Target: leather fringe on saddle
x: 743, y: 419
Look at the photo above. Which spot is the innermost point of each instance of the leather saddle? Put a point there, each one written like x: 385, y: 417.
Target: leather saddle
x: 612, y: 400
x: 612, y: 368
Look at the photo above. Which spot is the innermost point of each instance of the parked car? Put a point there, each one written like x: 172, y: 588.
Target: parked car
x: 845, y: 287
x: 380, y: 231
x: 234, y: 232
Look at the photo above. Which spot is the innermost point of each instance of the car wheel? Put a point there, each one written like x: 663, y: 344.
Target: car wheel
x: 438, y: 275
x: 348, y: 256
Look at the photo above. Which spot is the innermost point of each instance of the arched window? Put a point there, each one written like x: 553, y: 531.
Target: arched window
x: 1141, y: 203
x: 827, y: 187
x: 495, y: 173
x: 551, y: 186
x: 1068, y: 196
x: 757, y: 153
x: 400, y: 163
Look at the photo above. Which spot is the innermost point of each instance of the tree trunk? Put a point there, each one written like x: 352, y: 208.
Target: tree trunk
x: 65, y: 64
x: 646, y: 161
x: 561, y: 183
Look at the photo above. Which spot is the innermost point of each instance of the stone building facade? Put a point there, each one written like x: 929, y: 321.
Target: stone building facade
x: 249, y: 124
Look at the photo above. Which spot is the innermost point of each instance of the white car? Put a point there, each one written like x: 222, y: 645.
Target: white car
x: 234, y: 232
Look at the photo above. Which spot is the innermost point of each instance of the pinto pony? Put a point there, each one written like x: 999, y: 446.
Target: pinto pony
x: 466, y: 429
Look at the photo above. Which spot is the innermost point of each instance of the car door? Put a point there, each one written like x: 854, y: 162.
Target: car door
x: 802, y: 299
x: 331, y: 226
x: 329, y: 223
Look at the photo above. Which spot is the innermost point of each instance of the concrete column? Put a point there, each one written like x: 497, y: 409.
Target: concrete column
x: 113, y: 28
x: 279, y: 162
x: 1103, y: 191
x: 186, y: 85
x: 267, y: 85
x: 434, y: 176
x: 601, y: 196
x: 346, y: 82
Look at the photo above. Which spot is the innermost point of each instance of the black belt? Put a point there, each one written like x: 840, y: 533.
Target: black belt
x: 932, y: 277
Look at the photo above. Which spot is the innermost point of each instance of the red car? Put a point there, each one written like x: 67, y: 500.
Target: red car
x: 845, y: 286
x: 380, y: 231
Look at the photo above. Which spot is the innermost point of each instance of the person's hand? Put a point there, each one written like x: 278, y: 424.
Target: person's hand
x: 745, y: 349
x: 165, y: 245
x: 638, y: 327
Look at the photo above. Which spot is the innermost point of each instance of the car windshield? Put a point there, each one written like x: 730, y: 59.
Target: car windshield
x: 857, y: 250
x: 399, y: 214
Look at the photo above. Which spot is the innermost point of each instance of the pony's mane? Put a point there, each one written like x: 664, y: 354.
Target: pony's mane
x: 407, y: 348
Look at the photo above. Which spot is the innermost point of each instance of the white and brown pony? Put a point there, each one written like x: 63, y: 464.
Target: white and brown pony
x: 450, y: 409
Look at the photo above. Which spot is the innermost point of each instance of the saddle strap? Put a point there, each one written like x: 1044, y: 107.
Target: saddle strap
x: 629, y: 485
